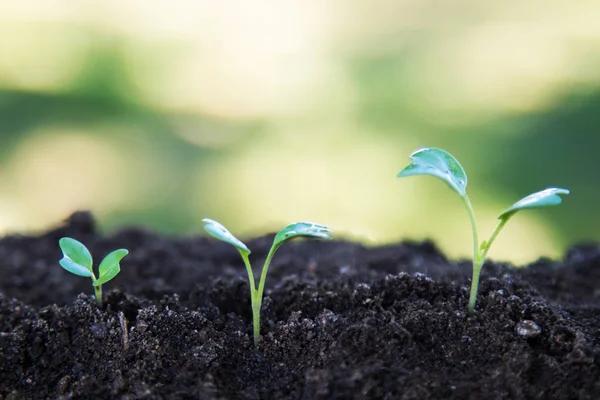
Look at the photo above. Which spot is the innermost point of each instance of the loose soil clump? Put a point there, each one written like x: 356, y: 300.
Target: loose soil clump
x: 340, y: 321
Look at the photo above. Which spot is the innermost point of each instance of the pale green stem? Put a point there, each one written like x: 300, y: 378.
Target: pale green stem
x: 482, y: 254
x: 258, y: 294
x: 249, y: 270
x: 97, y: 290
x: 98, y: 293
x: 253, y: 298
x: 476, y: 260
x: 263, y: 275
x: 492, y: 238
x: 474, y: 285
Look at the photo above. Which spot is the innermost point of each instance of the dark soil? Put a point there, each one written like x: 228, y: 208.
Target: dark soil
x: 340, y: 321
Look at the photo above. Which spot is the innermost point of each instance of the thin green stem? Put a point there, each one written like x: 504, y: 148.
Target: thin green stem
x: 492, y: 238
x: 249, y: 270
x: 474, y: 285
x: 473, y: 226
x: 256, y: 303
x: 482, y: 254
x: 263, y: 275
x: 476, y: 259
x: 257, y: 295
x: 98, y: 293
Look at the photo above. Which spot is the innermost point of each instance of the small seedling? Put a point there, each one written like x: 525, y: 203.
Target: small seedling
x: 298, y: 229
x: 442, y: 165
x: 78, y: 260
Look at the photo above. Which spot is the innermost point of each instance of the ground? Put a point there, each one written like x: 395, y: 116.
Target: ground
x: 340, y: 321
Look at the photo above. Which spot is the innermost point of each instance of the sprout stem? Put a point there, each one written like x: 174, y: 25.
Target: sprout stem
x: 249, y: 270
x: 485, y: 250
x: 98, y: 293
x: 263, y: 275
x: 473, y: 226
x: 256, y: 295
x: 477, y: 263
x: 256, y: 301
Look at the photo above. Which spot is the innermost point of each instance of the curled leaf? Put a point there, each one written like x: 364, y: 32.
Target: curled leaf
x: 110, y: 267
x: 76, y: 257
x: 543, y: 198
x: 438, y: 163
x: 302, y: 229
x: 218, y: 231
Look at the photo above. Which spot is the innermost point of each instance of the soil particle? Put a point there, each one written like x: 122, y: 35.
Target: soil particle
x: 528, y: 329
x: 339, y: 321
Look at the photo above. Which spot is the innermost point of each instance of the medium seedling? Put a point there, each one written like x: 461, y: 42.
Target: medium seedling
x: 442, y: 165
x: 78, y: 260
x: 298, y: 229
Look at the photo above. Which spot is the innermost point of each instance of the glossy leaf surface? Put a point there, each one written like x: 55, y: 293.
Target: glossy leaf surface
x: 110, y: 267
x: 76, y: 257
x: 438, y: 163
x: 302, y: 229
x: 218, y: 231
x: 543, y: 198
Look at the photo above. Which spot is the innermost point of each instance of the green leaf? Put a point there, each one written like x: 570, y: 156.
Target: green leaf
x: 218, y: 231
x: 302, y: 229
x: 544, y: 198
x: 482, y: 246
x: 438, y: 163
x: 109, y: 267
x: 76, y: 257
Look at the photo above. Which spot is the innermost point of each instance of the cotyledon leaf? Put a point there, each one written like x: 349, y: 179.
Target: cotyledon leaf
x: 543, y: 198
x: 76, y: 257
x: 218, y: 231
x: 302, y: 229
x: 438, y: 163
x: 110, y: 267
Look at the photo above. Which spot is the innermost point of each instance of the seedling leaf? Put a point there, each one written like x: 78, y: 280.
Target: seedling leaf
x: 218, y: 231
x: 302, y: 229
x: 438, y: 163
x: 74, y: 268
x: 109, y: 267
x: 543, y: 198
x: 76, y: 257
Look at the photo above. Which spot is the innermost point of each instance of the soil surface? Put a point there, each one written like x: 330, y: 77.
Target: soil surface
x: 340, y: 321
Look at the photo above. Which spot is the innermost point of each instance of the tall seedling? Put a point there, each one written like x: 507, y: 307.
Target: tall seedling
x: 441, y: 164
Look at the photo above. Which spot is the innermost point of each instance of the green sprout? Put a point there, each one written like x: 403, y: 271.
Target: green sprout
x: 78, y: 260
x: 298, y: 229
x: 442, y: 165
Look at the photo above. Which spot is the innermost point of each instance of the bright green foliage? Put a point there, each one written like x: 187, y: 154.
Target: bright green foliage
x: 78, y: 260
x: 299, y: 229
x: 442, y: 165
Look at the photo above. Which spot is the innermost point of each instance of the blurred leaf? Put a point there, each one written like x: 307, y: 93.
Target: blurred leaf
x: 302, y: 229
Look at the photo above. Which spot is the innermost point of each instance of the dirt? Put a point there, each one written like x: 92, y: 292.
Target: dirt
x: 340, y: 321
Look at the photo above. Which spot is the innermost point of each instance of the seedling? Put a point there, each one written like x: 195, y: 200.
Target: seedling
x: 442, y: 165
x: 78, y: 260
x: 298, y: 229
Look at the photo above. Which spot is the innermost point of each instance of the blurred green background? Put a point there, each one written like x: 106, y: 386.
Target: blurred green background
x: 261, y: 113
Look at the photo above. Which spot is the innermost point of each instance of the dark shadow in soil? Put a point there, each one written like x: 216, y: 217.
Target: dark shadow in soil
x: 340, y: 321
